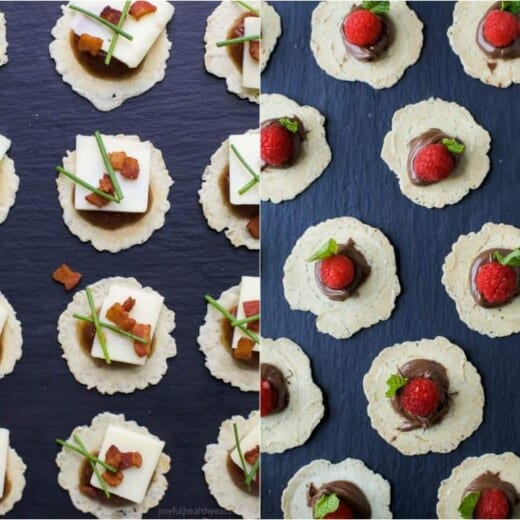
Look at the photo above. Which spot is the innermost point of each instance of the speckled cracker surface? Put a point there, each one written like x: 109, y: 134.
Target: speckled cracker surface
x: 375, y: 299
x: 374, y: 486
x: 331, y: 55
x: 466, y: 406
x: 279, y: 184
x: 11, y: 339
x: 494, y: 322
x: 451, y: 489
x: 462, y: 37
x: 214, y: 206
x: 15, y: 472
x: 69, y: 464
x: 138, y: 232
x: 3, y: 41
x: 108, y: 379
x: 226, y: 493
x: 9, y: 183
x: 271, y: 31
x: 412, y: 121
x: 219, y: 360
x: 294, y: 425
x: 106, y: 94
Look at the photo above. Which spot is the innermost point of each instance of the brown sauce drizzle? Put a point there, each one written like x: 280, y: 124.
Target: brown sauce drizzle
x: 7, y: 488
x: 226, y: 338
x: 237, y: 476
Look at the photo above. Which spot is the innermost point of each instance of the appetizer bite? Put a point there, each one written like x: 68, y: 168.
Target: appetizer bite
x: 10, y: 337
x: 232, y: 466
x: 113, y: 468
x: 347, y: 489
x: 230, y: 191
x: 230, y: 335
x: 481, y: 275
x: 113, y: 190
x: 373, y: 42
x: 109, y: 53
x: 344, y: 272
x: 291, y: 404
x: 3, y: 41
x: 482, y: 487
x: 424, y: 396
x: 239, y: 42
x: 12, y: 470
x: 10, y: 180
x: 486, y: 37
x: 66, y: 276
x: 115, y: 336
x: 437, y: 151
x: 293, y: 147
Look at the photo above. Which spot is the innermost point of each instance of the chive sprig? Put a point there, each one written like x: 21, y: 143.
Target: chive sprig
x: 111, y: 327
x: 102, y: 21
x: 99, y: 331
x: 122, y: 19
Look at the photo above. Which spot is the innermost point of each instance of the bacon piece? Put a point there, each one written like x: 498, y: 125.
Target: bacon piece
x: 113, y: 456
x: 254, y: 49
x: 143, y: 331
x: 252, y: 455
x: 251, y: 308
x: 130, y: 168
x: 253, y: 226
x: 111, y: 15
x: 90, y: 44
x: 117, y: 159
x: 120, y: 317
x: 120, y: 460
x: 105, y: 185
x: 113, y: 479
x: 244, y: 349
x: 141, y: 8
x: 128, y: 304
x: 131, y: 458
x: 65, y: 275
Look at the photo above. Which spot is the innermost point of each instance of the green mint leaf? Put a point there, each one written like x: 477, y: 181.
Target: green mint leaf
x: 453, y: 145
x: 325, y: 505
x: 291, y: 124
x: 467, y: 506
x: 329, y: 249
x: 376, y: 7
x: 511, y: 260
x: 394, y: 382
x: 512, y: 7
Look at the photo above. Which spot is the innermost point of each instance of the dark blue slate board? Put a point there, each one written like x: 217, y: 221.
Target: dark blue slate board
x: 187, y: 117
x: 358, y: 183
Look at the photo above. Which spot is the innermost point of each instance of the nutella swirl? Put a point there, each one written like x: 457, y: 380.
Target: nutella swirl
x: 346, y: 491
x: 429, y: 370
x: 297, y: 138
x: 278, y: 383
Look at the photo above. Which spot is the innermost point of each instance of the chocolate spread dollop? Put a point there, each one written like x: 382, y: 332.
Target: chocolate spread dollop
x: 375, y: 51
x: 346, y: 491
x: 484, y: 258
x: 362, y: 271
x: 298, y: 137
x: 497, y: 53
x: 277, y: 380
x: 429, y: 370
x: 489, y: 480
x: 431, y: 136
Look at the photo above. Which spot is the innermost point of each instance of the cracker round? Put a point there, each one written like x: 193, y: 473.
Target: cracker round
x: 214, y: 207
x: 294, y: 425
x: 271, y: 31
x: 467, y: 397
x: 105, y: 378
x: 218, y: 360
x: 451, y: 489
x: 376, y: 297
x: 3, y: 41
x: 133, y: 234
x: 9, y: 183
x: 462, y: 37
x: 329, y: 49
x: 321, y: 471
x: 11, y: 339
x: 106, y: 94
x: 493, y: 322
x: 69, y: 464
x: 225, y: 492
x: 454, y: 120
x: 280, y: 184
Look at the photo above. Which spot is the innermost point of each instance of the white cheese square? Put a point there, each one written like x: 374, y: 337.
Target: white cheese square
x: 136, y: 480
x: 247, y: 443
x: 146, y: 310
x: 90, y: 168
x: 248, y: 146
x: 144, y: 31
x: 4, y: 449
x: 250, y: 67
x: 5, y: 144
x: 249, y: 290
x: 3, y: 317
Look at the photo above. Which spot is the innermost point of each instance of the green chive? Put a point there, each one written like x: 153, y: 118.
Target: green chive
x: 242, y: 39
x: 85, y: 184
x: 244, y: 321
x: 122, y: 19
x: 82, y: 450
x: 256, y: 177
x: 251, y: 475
x: 248, y: 7
x: 117, y: 330
x: 108, y: 165
x: 240, y: 456
x: 99, y: 331
x: 108, y: 24
x: 247, y: 186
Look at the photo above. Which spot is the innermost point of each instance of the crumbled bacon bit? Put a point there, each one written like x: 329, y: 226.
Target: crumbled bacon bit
x: 251, y: 308
x: 254, y: 49
x: 141, y: 8
x: 120, y: 460
x: 252, y: 455
x: 143, y: 331
x: 117, y: 159
x: 66, y: 276
x: 128, y: 304
x: 120, y: 317
x: 105, y: 184
x: 90, y: 44
x: 244, y: 349
x: 113, y: 456
x: 113, y: 479
x: 253, y: 226
x: 111, y: 15
x: 131, y: 458
x: 130, y: 168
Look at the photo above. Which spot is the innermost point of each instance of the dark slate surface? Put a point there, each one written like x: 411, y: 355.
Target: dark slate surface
x: 358, y: 183
x: 187, y: 117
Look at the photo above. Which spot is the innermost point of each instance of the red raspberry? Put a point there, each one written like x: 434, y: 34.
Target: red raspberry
x: 420, y: 396
x: 500, y: 28
x: 362, y: 28
x: 433, y: 162
x: 343, y: 511
x: 496, y: 282
x: 268, y: 398
x: 337, y: 271
x: 276, y: 145
x: 492, y: 504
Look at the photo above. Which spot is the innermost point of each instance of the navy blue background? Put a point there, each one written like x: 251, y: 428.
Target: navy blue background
x: 187, y: 116
x: 358, y: 183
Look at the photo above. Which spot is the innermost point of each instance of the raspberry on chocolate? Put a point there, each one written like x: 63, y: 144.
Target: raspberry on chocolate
x: 496, y: 282
x: 420, y: 396
x: 344, y: 511
x: 280, y: 141
x: 492, y: 503
x: 337, y: 271
x: 268, y: 398
x: 501, y: 28
x: 433, y: 163
x: 362, y: 28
